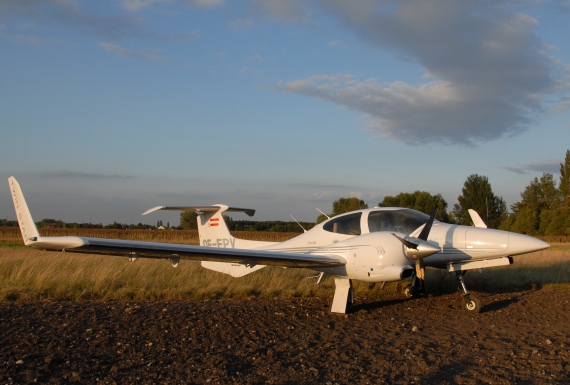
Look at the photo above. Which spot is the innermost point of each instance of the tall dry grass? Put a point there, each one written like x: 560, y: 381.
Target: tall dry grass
x: 548, y: 268
x: 30, y: 275
x: 180, y: 236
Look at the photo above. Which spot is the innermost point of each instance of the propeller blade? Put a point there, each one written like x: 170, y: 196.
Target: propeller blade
x: 418, y: 251
x: 425, y: 231
x: 406, y: 243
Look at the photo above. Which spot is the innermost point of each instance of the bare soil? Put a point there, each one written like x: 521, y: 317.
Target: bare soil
x: 518, y: 338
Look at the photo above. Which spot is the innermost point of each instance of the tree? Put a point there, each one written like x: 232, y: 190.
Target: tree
x: 188, y: 220
x: 478, y: 195
x: 419, y: 200
x: 537, y: 208
x: 564, y: 186
x: 344, y: 205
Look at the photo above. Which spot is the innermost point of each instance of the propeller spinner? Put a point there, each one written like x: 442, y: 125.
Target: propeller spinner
x: 419, y: 248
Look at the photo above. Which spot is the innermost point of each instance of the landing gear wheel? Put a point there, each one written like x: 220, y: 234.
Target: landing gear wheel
x: 409, y: 291
x: 472, y: 304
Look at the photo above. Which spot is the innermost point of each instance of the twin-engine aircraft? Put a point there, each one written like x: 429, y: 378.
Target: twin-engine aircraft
x: 385, y: 244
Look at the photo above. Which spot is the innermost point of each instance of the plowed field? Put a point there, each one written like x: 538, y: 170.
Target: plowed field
x: 518, y: 338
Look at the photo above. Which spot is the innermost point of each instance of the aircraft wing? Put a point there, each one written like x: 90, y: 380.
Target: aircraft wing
x: 174, y: 252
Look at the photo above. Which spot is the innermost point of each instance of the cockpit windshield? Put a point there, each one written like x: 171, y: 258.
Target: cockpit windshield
x: 400, y: 220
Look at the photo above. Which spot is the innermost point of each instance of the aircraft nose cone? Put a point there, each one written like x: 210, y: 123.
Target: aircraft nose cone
x: 522, y: 244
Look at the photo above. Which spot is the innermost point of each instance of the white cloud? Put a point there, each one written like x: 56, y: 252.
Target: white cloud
x: 128, y: 53
x: 73, y: 15
x: 356, y: 194
x: 77, y: 174
x: 182, y: 36
x: 208, y: 3
x: 489, y: 74
x: 260, y: 11
x: 31, y: 40
x: 551, y: 166
x: 320, y: 196
x: 286, y: 10
x: 136, y: 5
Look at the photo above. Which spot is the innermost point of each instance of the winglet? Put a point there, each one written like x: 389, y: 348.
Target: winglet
x: 30, y: 233
x: 477, y: 221
x: 153, y: 210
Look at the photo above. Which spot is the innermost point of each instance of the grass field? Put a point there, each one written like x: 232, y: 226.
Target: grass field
x: 28, y: 275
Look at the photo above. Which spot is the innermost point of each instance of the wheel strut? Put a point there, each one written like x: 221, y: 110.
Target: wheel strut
x: 470, y: 302
x: 459, y: 275
x: 418, y: 280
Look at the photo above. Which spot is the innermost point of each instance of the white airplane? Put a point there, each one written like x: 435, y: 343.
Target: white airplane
x: 385, y: 244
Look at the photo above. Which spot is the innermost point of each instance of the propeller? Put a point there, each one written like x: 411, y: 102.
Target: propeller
x: 420, y: 247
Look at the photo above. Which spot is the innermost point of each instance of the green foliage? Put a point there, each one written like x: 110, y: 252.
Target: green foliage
x: 272, y: 226
x: 478, y: 195
x: 540, y: 204
x: 8, y: 223
x: 188, y: 220
x: 344, y: 205
x: 420, y: 201
x: 564, y: 186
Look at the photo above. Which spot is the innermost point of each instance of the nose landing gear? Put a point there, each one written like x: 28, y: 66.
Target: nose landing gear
x: 470, y: 302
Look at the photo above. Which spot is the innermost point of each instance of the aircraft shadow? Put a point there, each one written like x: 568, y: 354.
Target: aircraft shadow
x: 376, y: 305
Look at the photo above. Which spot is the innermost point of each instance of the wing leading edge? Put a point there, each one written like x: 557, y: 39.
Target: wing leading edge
x: 137, y: 249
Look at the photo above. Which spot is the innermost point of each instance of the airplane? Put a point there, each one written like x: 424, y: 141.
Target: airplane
x: 382, y: 244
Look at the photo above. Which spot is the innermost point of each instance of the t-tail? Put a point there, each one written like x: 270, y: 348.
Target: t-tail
x: 28, y: 228
x: 213, y: 232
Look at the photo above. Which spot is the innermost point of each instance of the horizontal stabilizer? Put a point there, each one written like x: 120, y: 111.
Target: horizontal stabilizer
x: 212, y: 208
x: 236, y: 270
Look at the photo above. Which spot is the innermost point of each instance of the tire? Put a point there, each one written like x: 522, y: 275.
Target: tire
x: 472, y: 304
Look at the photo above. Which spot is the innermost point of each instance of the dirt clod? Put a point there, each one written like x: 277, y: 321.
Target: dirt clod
x: 290, y: 341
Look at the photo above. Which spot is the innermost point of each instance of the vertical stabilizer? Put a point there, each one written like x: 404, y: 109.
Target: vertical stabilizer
x: 213, y: 232
x: 212, y: 229
x: 27, y: 226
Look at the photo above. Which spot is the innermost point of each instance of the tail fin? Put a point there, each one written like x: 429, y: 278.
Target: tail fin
x: 212, y: 228
x: 214, y: 232
x: 27, y: 226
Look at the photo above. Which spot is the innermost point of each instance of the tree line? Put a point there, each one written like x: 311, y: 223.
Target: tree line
x: 188, y: 222
x: 59, y: 224
x: 544, y: 209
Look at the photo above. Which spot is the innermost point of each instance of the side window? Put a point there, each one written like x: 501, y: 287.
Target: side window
x: 347, y: 224
x: 381, y: 221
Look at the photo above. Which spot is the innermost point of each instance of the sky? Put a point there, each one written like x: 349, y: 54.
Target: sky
x: 109, y: 108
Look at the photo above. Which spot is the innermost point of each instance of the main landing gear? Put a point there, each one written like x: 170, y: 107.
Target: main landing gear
x: 470, y: 303
x: 416, y: 289
x: 418, y: 282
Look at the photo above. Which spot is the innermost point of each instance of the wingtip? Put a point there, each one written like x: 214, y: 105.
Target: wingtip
x: 153, y: 210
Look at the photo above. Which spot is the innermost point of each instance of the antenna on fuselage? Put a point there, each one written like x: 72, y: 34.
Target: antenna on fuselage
x: 323, y: 214
x: 298, y: 223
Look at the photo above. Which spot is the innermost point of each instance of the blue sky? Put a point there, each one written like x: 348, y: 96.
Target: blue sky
x: 108, y: 108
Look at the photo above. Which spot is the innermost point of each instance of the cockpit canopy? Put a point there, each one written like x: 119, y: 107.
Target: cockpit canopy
x: 397, y: 220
